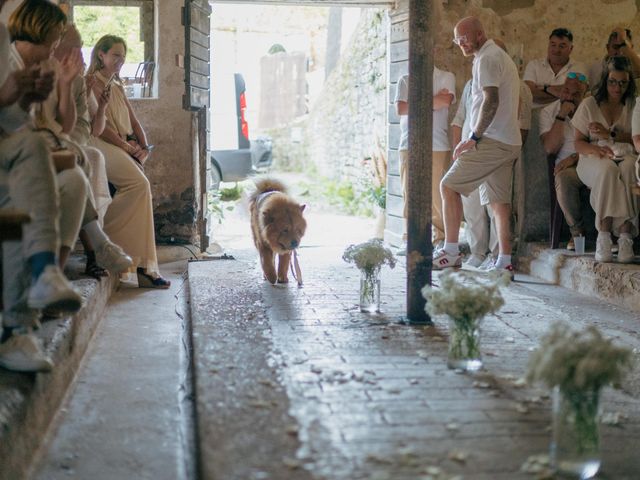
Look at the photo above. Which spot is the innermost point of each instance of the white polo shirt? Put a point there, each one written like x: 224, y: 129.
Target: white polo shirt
x: 540, y: 72
x: 493, y: 67
x: 547, y: 117
x: 440, y: 132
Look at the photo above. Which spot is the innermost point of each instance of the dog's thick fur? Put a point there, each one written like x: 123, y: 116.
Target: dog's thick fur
x: 277, y: 226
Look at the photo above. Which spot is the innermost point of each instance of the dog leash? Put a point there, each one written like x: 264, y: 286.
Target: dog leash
x: 295, y: 268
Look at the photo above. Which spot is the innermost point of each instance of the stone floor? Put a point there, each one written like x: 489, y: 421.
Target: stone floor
x: 297, y: 383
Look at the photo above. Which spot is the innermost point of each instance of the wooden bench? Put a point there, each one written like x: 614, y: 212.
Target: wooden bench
x: 11, y: 222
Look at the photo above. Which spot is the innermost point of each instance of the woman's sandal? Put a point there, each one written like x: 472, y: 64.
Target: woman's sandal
x: 147, y: 281
x: 95, y: 271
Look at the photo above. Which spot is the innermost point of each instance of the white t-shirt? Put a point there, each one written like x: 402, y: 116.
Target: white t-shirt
x: 547, y: 118
x: 493, y: 67
x: 526, y: 103
x: 13, y: 117
x: 540, y: 72
x: 461, y: 118
x: 442, y: 79
x: 440, y: 133
x: 402, y: 95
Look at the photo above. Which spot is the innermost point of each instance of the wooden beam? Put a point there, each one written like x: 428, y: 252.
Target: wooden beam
x: 419, y: 171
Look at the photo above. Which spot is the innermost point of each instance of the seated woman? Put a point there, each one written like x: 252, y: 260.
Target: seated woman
x: 129, y: 218
x: 607, y: 159
x: 57, y: 116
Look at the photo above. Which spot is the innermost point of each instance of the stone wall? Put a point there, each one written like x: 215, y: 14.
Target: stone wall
x: 524, y: 25
x: 348, y: 119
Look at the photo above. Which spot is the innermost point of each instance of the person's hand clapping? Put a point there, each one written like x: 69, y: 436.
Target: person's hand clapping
x: 599, y: 131
x: 71, y: 66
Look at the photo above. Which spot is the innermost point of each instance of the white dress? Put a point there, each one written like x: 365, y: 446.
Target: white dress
x: 610, y: 181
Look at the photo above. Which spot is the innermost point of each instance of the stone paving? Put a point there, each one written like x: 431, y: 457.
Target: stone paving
x: 339, y: 394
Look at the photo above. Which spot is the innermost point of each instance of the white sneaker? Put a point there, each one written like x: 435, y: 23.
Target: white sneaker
x: 603, y: 249
x: 53, y: 290
x: 488, y: 263
x: 22, y: 353
x: 442, y: 260
x: 112, y: 257
x: 625, y: 250
x: 474, y: 260
x: 494, y: 270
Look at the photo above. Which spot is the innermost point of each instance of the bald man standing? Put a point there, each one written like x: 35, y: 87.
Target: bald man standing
x: 485, y: 159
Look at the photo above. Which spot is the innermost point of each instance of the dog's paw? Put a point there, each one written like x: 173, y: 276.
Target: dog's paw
x: 273, y: 279
x: 283, y: 280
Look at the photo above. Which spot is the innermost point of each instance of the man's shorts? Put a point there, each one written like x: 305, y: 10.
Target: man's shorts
x: 488, y: 167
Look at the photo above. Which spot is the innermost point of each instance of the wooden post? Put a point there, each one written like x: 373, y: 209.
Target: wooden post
x: 419, y: 247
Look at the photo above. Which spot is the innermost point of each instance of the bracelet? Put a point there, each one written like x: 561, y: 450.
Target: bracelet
x: 562, y: 119
x: 474, y: 137
x: 545, y: 89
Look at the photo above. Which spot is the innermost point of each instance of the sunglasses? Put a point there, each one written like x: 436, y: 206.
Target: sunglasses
x: 460, y: 39
x: 575, y: 75
x: 621, y: 83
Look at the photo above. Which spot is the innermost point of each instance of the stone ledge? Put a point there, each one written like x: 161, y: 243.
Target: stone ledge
x: 613, y: 282
x: 29, y: 402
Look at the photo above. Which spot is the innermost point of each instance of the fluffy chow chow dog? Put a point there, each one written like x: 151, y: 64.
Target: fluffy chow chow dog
x: 277, y: 226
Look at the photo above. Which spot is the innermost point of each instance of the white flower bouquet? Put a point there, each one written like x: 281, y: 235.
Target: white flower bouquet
x: 466, y: 300
x: 577, y: 364
x: 369, y: 257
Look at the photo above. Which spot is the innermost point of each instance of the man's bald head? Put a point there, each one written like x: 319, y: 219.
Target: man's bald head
x: 469, y: 35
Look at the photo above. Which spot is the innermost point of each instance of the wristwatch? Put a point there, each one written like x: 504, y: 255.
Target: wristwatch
x: 612, y: 132
x: 474, y: 137
x: 544, y: 89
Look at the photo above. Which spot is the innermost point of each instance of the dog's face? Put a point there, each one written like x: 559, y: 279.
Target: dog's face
x: 283, y: 224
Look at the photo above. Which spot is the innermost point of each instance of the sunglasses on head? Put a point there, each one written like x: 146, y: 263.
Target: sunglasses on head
x: 621, y: 83
x: 581, y: 77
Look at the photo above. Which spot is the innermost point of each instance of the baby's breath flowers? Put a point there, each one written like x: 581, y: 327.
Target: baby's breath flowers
x: 466, y: 300
x: 369, y: 257
x: 576, y: 364
x: 577, y: 360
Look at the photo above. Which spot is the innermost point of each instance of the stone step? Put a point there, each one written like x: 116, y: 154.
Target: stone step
x: 613, y: 282
x: 29, y: 402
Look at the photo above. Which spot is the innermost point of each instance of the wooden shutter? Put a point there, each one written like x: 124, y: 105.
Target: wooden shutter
x: 197, y: 22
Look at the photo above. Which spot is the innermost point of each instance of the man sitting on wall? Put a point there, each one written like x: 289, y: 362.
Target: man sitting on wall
x: 558, y: 138
x: 545, y: 76
x: 619, y: 44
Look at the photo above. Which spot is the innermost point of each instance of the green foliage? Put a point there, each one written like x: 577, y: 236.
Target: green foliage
x: 95, y: 21
x: 341, y: 196
x: 377, y: 195
x: 217, y: 206
x: 231, y: 194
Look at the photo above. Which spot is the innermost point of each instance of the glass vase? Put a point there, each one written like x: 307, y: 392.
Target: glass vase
x: 370, y: 291
x: 464, y: 344
x: 575, y: 447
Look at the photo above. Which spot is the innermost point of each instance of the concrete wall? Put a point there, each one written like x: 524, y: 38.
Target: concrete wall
x: 525, y: 26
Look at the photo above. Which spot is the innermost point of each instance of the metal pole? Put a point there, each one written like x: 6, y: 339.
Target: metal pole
x: 419, y: 247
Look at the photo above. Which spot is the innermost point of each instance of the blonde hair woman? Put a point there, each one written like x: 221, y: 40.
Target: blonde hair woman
x: 129, y: 218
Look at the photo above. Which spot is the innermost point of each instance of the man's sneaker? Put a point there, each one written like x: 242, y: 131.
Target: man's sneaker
x: 53, y: 290
x: 442, y: 260
x: 22, y: 353
x: 502, y: 271
x: 625, y: 250
x: 603, y: 249
x: 488, y: 263
x: 474, y: 260
x: 112, y: 257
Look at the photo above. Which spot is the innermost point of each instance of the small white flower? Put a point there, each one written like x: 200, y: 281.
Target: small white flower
x: 369, y: 256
